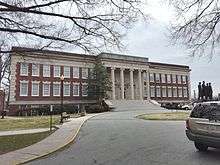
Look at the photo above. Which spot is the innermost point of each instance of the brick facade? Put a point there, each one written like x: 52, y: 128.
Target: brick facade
x: 72, y: 60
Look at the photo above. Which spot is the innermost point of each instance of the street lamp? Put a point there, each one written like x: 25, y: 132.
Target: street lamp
x: 61, y: 103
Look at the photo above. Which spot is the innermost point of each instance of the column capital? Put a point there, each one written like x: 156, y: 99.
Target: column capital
x: 131, y: 69
x: 122, y: 69
x: 113, y: 68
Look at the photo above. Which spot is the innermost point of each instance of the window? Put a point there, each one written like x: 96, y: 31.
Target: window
x: 24, y: 69
x: 84, y: 89
x: 185, y: 93
x: 180, y: 91
x: 179, y: 80
x: 174, y: 78
x: 169, y: 92
x: 35, y: 70
x: 35, y: 89
x: 151, y: 77
x: 84, y: 73
x: 56, y: 71
x: 66, y: 89
x: 46, y: 89
x: 75, y: 89
x: 91, y: 73
x: 174, y: 92
x: 46, y: 70
x: 66, y: 71
x: 184, y: 79
x: 152, y: 91
x: 168, y: 78
x: 56, y: 89
x: 23, y: 88
x: 158, y: 91
x: 163, y: 79
x: 157, y: 77
x: 164, y: 91
x: 75, y: 72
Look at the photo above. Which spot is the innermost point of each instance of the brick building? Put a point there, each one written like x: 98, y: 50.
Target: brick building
x: 35, y: 78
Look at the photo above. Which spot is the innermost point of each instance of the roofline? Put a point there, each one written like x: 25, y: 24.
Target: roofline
x: 166, y: 64
x: 126, y: 55
x: 25, y: 49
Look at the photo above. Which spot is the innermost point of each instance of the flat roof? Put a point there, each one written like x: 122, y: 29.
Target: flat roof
x: 123, y: 57
x: 166, y: 64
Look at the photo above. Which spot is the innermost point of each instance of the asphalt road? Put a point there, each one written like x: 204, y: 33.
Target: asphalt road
x: 117, y: 138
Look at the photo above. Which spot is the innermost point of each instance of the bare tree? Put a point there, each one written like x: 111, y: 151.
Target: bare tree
x: 197, y: 25
x: 86, y: 24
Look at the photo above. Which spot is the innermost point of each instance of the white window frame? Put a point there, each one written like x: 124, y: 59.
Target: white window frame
x: 179, y: 79
x: 20, y: 93
x: 185, y: 92
x: 74, y: 71
x: 32, y: 89
x: 66, y: 71
x: 163, y: 78
x: 184, y: 78
x: 158, y: 93
x: 24, y: 67
x: 64, y: 86
x: 175, y: 92
x: 169, y: 91
x: 37, y: 69
x: 86, y: 71
x: 180, y: 94
x: 56, y: 83
x: 152, y: 91
x: 84, y: 84
x: 46, y: 70
x: 157, y: 77
x: 169, y: 78
x: 151, y: 77
x: 173, y: 78
x: 46, y: 83
x: 78, y: 89
x: 56, y: 74
x: 164, y: 89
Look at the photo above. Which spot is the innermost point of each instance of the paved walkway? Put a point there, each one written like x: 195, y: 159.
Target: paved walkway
x: 26, y: 131
x: 57, y: 140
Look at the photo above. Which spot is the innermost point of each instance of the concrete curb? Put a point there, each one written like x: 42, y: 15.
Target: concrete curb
x: 4, y: 160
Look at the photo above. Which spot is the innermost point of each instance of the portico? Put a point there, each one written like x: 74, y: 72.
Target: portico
x: 130, y: 84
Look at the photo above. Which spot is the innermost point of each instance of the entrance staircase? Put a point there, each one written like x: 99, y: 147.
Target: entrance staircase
x: 132, y: 105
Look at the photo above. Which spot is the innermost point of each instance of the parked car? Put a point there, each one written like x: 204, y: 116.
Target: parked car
x: 203, y: 125
x: 187, y: 107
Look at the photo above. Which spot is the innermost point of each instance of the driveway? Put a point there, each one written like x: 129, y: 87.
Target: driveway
x: 117, y: 138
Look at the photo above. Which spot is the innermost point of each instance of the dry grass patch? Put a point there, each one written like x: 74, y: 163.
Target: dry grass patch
x: 165, y: 116
x: 14, y: 142
x: 19, y: 123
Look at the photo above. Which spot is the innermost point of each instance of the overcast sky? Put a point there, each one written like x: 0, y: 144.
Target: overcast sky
x: 151, y: 41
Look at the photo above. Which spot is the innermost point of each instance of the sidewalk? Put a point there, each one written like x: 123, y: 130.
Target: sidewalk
x: 60, y: 138
x: 26, y: 131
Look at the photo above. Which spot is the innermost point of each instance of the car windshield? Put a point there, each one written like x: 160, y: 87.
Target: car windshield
x: 211, y: 112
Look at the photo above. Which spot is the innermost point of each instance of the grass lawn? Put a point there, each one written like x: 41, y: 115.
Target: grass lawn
x: 165, y: 116
x: 14, y: 142
x: 18, y: 123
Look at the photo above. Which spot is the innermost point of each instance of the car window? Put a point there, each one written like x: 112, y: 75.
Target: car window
x: 211, y: 112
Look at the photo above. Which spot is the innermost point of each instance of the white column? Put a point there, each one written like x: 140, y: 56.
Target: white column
x: 140, y: 84
x: 122, y: 83
x: 132, y: 83
x: 148, y: 83
x: 189, y: 85
x: 113, y: 82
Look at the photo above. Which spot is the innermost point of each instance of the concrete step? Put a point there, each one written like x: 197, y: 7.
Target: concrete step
x: 132, y: 105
